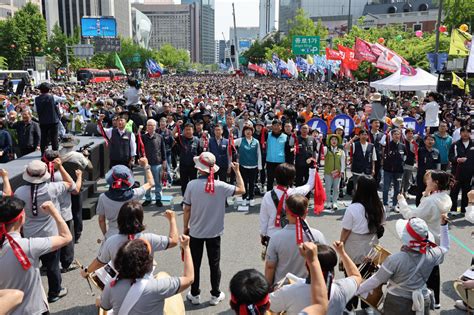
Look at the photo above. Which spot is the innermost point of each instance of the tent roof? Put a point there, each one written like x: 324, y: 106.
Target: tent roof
x: 422, y: 81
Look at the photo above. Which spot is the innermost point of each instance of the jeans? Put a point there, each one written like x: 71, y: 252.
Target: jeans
x: 331, y: 183
x: 169, y: 167
x: 388, y: 178
x: 213, y: 248
x: 156, y: 172
x: 66, y: 253
x: 249, y: 175
x: 51, y: 262
x: 407, y: 179
x: 49, y: 132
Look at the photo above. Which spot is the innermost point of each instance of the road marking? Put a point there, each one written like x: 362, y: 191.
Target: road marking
x: 454, y: 238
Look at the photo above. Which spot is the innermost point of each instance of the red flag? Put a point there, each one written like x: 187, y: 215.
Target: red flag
x: 363, y: 51
x: 344, y: 71
x: 319, y: 193
x: 332, y: 54
x: 348, y: 57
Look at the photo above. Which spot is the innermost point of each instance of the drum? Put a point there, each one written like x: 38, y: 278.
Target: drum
x: 467, y: 295
x: 370, y: 266
x: 174, y: 305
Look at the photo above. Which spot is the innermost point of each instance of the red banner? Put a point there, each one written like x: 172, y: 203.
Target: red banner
x: 332, y: 54
x: 348, y: 57
x: 363, y: 51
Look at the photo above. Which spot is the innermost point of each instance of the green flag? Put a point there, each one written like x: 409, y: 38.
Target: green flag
x: 119, y: 64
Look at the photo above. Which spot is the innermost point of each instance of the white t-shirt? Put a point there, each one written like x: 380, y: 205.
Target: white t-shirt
x: 354, y: 219
x: 431, y: 114
x: 132, y: 95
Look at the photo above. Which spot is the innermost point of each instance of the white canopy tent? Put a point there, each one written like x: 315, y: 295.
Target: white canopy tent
x: 421, y: 81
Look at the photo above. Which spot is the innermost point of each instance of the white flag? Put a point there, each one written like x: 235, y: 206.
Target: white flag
x: 470, y: 61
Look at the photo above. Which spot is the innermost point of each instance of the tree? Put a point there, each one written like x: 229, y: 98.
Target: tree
x: 256, y: 52
x: 457, y: 12
x: 173, y: 58
x: 3, y: 63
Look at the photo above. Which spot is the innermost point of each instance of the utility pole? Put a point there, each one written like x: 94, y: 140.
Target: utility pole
x: 349, y: 18
x: 438, y: 24
x: 227, y: 48
x: 236, y: 42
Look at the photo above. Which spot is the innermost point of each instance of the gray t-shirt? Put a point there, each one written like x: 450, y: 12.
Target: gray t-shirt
x: 65, y: 199
x: 400, y: 266
x: 379, y: 112
x: 110, y: 209
x: 207, y: 210
x: 151, y: 302
x: 13, y: 276
x: 283, y: 251
x: 109, y: 250
x: 295, y: 297
x: 41, y: 225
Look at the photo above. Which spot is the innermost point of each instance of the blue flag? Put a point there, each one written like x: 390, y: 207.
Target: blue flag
x: 153, y: 67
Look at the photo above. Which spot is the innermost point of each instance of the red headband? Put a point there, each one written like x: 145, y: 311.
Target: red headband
x: 117, y: 184
x: 299, y: 227
x: 244, y: 308
x: 210, y: 179
x: 17, y: 250
x: 421, y: 242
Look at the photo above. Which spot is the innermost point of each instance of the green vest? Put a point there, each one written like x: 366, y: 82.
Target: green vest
x: 129, y: 126
x: 332, y: 161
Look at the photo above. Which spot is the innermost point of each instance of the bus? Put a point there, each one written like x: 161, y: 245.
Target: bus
x: 99, y: 75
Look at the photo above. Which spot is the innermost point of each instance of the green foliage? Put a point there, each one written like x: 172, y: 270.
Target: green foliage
x: 256, y: 52
x: 173, y: 58
x: 23, y: 35
x: 3, y: 63
x: 457, y: 12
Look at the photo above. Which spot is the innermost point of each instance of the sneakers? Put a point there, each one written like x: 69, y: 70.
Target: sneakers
x: 252, y: 202
x: 326, y: 205
x: 146, y: 203
x: 195, y: 300
x: 369, y: 311
x: 459, y: 304
x: 437, y: 306
x: 71, y: 267
x: 62, y: 293
x: 217, y: 299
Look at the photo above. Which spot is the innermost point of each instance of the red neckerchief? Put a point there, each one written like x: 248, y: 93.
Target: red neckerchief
x: 263, y: 137
x: 231, y: 143
x: 117, y: 184
x: 50, y: 165
x: 299, y: 227
x: 17, y: 250
x: 420, y: 242
x: 102, y: 132
x: 280, y: 204
x: 141, y: 145
x: 247, y: 309
x: 319, y: 192
x: 296, y: 145
x: 210, y: 179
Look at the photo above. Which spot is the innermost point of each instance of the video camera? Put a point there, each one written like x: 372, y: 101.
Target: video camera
x: 85, y: 149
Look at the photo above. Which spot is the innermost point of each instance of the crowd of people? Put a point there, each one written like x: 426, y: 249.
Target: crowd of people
x: 222, y: 137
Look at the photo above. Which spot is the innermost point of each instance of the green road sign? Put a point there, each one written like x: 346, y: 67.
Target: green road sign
x: 303, y: 45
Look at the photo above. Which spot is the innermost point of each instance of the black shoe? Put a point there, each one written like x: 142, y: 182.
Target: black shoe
x: 158, y: 203
x: 71, y: 267
x: 62, y: 293
x: 146, y: 203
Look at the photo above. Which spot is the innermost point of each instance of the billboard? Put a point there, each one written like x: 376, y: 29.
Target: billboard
x: 107, y: 44
x: 244, y: 44
x: 98, y: 26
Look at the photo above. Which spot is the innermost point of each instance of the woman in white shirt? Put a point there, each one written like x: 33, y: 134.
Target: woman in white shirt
x: 362, y: 224
x: 133, y: 93
x: 434, y: 203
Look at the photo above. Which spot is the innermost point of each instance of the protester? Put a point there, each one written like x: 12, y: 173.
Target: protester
x: 277, y: 150
x: 394, y: 155
x: 203, y: 220
x: 428, y: 159
x: 334, y: 167
x: 21, y: 256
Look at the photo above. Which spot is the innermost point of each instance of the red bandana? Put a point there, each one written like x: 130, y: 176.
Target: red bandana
x: 419, y: 242
x: 245, y: 309
x: 117, y: 184
x: 280, y: 205
x: 296, y: 145
x: 262, y: 138
x: 17, y: 250
x: 205, y: 142
x: 210, y: 179
x: 319, y: 192
x: 102, y: 132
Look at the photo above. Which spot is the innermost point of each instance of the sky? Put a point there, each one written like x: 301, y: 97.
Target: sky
x: 246, y: 14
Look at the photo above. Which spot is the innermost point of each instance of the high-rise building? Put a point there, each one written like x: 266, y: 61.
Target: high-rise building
x: 206, y: 18
x: 245, y: 36
x: 68, y: 14
x: 141, y: 28
x: 9, y: 7
x: 174, y: 24
x: 334, y: 15
x: 221, y: 46
x: 122, y: 11
x: 266, y: 20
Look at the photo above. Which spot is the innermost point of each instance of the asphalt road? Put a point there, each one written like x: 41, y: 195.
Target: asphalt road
x: 241, y: 249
